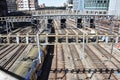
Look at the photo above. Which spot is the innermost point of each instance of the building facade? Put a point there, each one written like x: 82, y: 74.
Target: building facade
x: 91, y: 6
x: 42, y: 5
x: 3, y: 8
x: 114, y: 8
x: 12, y: 6
x: 70, y: 1
x: 27, y: 5
x: 78, y: 5
x: 96, y: 4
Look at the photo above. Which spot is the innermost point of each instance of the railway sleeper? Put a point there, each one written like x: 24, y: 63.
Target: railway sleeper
x: 100, y: 71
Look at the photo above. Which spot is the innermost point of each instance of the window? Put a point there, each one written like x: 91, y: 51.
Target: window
x: 105, y: 1
x: 100, y: 12
x: 87, y: 12
x: 104, y: 12
x: 98, y: 1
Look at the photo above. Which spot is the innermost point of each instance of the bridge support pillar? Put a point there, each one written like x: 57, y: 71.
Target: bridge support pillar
x: 12, y: 24
x: 27, y: 40
x: 117, y: 38
x: 111, y: 27
x: 7, y: 27
x: 39, y: 51
x: 46, y: 21
x: 106, y: 39
x: 99, y: 24
x: 88, y: 21
x: 17, y: 39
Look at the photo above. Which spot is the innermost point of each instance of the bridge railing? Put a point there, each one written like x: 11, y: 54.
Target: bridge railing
x: 59, y: 39
x: 38, y: 12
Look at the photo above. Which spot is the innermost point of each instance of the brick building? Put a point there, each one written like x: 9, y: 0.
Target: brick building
x: 27, y: 4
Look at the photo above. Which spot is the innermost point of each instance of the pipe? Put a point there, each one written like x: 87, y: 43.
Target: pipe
x: 38, y: 44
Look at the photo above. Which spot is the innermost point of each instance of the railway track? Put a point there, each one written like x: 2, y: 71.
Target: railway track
x: 25, y: 30
x: 97, y: 62
x: 60, y: 63
x: 69, y: 31
x: 77, y: 62
x: 15, y: 31
x: 2, y: 47
x: 108, y: 56
x: 67, y: 62
x: 53, y: 75
x: 12, y: 60
x: 105, y: 26
x: 8, y: 59
x: 6, y: 51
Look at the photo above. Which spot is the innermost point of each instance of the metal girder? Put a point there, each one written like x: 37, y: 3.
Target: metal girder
x: 91, y: 71
x: 16, y: 19
x: 50, y: 16
x: 85, y: 70
x: 66, y: 16
x: 59, y: 39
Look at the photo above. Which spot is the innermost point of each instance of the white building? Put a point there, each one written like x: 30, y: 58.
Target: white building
x: 114, y: 8
x: 98, y: 6
x: 78, y: 5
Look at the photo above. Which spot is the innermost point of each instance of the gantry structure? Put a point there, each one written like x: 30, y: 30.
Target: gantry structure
x: 14, y: 38
x: 24, y: 39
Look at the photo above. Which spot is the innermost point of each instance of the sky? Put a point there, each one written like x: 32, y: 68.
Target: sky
x: 52, y: 2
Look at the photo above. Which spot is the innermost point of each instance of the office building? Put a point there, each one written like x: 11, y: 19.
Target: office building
x: 3, y: 8
x: 91, y: 6
x: 70, y: 1
x: 27, y: 4
x: 12, y: 6
x: 96, y: 4
x: 114, y: 8
x: 78, y: 5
